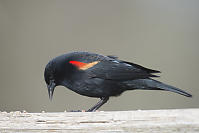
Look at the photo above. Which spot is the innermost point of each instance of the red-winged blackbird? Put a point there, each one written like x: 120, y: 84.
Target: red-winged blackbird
x: 99, y: 76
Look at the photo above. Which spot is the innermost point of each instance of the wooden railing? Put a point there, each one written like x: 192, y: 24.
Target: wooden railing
x: 142, y: 121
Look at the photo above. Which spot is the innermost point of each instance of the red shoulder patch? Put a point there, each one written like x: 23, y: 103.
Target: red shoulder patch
x: 83, y: 66
x: 77, y: 63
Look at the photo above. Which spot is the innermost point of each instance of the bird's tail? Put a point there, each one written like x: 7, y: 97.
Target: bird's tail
x: 150, y: 84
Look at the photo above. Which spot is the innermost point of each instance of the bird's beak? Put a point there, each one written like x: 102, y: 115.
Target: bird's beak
x: 51, y: 88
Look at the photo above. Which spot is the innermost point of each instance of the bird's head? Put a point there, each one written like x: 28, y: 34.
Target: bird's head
x: 50, y: 78
x: 65, y: 69
x: 54, y: 74
x: 57, y: 72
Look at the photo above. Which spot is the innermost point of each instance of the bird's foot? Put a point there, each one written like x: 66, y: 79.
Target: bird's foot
x: 77, y: 111
x: 84, y: 111
x: 92, y: 111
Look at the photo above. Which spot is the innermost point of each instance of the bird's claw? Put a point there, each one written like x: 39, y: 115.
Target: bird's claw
x: 77, y: 111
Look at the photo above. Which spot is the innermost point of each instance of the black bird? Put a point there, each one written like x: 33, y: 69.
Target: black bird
x: 99, y: 76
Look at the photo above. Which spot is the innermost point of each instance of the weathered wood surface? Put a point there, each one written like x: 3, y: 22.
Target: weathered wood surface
x: 142, y: 121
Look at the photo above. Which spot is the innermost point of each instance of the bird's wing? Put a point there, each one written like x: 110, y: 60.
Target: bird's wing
x: 112, y: 56
x: 133, y: 64
x: 119, y: 70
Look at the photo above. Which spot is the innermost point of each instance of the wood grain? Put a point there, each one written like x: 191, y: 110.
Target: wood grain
x: 141, y: 121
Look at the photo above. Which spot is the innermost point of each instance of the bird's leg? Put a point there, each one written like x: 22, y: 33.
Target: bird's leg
x: 99, y: 104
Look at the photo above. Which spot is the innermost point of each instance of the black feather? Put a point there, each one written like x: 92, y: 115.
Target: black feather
x: 151, y: 84
x: 142, y: 68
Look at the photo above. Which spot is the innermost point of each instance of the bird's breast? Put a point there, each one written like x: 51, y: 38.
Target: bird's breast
x: 94, y: 87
